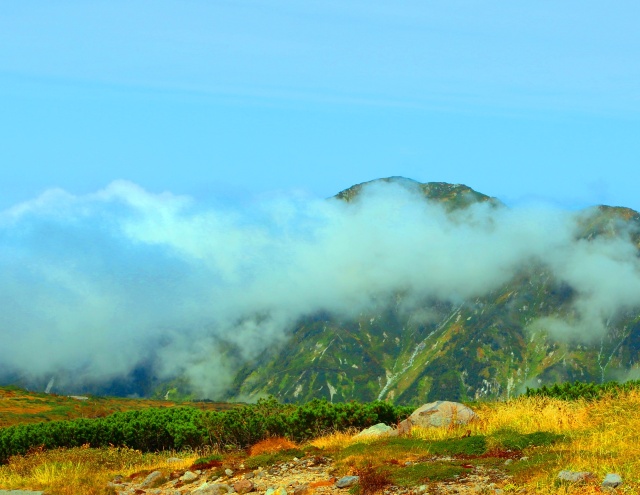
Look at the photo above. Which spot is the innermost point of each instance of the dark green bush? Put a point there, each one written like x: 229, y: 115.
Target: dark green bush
x: 186, y: 427
x: 581, y: 390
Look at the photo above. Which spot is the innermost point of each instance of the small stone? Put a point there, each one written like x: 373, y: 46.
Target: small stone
x: 295, y: 459
x: 301, y: 490
x: 151, y: 479
x: 228, y: 472
x: 188, y: 477
x: 408, y: 463
x: 215, y: 489
x: 270, y: 491
x: 612, y: 480
x: 347, y: 481
x: 243, y: 486
x: 508, y: 461
x: 574, y: 476
x: 281, y: 490
x: 248, y: 476
x: 525, y: 458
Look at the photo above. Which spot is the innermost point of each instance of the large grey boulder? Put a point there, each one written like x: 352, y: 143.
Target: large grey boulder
x: 442, y: 413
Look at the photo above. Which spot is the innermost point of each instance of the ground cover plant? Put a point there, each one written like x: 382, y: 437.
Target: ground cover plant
x: 519, y: 446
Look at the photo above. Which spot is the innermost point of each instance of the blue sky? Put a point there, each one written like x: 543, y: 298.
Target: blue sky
x: 525, y: 101
x: 164, y: 164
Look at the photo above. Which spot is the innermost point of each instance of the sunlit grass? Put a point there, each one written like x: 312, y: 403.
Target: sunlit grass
x: 82, y: 470
x: 600, y: 437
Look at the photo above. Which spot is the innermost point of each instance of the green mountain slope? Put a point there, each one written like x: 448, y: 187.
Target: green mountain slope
x: 487, y: 347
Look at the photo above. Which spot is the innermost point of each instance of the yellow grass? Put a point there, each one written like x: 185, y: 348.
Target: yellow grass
x: 602, y: 437
x: 82, y: 471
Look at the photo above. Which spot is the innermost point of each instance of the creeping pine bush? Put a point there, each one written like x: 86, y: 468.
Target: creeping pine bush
x: 186, y: 427
x: 579, y: 390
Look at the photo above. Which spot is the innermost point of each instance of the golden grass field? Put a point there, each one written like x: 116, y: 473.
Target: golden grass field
x: 599, y: 436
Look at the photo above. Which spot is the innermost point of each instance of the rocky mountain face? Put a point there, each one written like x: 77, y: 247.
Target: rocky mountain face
x: 485, y: 347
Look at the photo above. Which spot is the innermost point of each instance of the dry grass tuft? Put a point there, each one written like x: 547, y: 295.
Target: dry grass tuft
x: 372, y: 479
x: 271, y: 446
x: 335, y: 441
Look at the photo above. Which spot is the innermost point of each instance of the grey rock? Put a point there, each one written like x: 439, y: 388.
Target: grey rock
x: 612, y: 480
x: 212, y: 489
x: 442, y: 413
x: 189, y: 476
x: 574, y: 476
x: 243, y: 486
x: 347, y: 481
x: 375, y: 431
x: 508, y: 461
x: 301, y: 490
x: 152, y: 478
x: 228, y: 472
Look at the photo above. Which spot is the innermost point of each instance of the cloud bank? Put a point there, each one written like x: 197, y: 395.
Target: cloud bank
x: 96, y: 286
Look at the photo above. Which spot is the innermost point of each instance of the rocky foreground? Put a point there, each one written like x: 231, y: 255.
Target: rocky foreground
x: 313, y: 475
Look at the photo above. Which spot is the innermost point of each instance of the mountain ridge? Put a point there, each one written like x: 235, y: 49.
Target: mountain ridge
x: 484, y: 348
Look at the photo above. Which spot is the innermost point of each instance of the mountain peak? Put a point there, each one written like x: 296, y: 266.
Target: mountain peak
x: 453, y: 195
